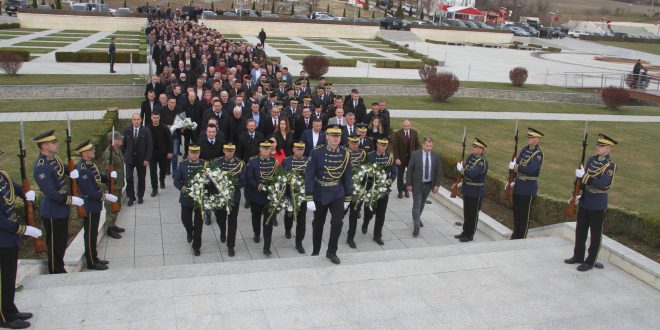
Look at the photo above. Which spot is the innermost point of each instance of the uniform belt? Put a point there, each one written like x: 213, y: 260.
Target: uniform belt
x: 526, y: 178
x: 478, y: 184
x: 596, y: 191
x: 327, y: 184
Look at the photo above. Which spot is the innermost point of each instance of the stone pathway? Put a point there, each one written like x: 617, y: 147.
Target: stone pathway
x: 73, y: 47
x: 155, y: 236
x: 328, y: 52
x: 396, y: 113
x: 27, y: 37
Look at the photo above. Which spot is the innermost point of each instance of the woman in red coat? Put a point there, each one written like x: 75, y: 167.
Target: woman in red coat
x: 276, y: 152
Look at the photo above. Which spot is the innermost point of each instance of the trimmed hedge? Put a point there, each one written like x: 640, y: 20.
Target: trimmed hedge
x: 394, y: 64
x: 23, y: 54
x: 414, y: 54
x: 549, y: 210
x: 436, y: 42
x: 6, y: 26
x: 343, y: 62
x: 99, y: 57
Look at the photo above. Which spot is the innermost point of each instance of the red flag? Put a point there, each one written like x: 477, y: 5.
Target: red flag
x: 360, y: 2
x: 557, y: 18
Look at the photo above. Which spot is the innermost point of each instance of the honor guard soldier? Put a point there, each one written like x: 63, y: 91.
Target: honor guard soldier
x: 231, y: 164
x: 328, y: 187
x: 364, y: 142
x: 298, y: 164
x: 191, y: 214
x: 91, y: 190
x: 358, y: 156
x: 527, y: 168
x: 50, y: 174
x: 597, y: 180
x: 259, y: 169
x: 383, y: 158
x: 10, y: 234
x: 118, y: 164
x: 473, y: 188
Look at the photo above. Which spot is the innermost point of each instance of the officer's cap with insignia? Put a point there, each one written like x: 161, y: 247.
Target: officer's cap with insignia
x: 299, y: 145
x: 604, y: 140
x: 383, y: 142
x: 361, y: 127
x: 297, y: 83
x: 194, y: 148
x: 307, y: 98
x: 229, y: 147
x: 282, y: 82
x: 279, y: 104
x: 353, y: 139
x: 85, y: 146
x: 273, y: 94
x: 479, y: 143
x: 46, y: 137
x: 265, y: 144
x: 533, y: 133
x: 334, y: 130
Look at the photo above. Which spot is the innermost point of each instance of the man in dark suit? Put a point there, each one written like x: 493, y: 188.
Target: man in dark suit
x: 218, y: 113
x: 404, y: 142
x: 157, y: 56
x: 248, y: 141
x: 211, y: 147
x: 424, y: 174
x: 313, y: 137
x: 317, y: 113
x: 161, y: 138
x: 271, y: 123
x: 302, y: 123
x: 155, y: 85
x: 137, y: 149
x: 355, y: 103
x: 147, y: 108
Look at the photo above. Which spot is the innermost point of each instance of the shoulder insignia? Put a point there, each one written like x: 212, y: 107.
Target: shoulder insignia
x: 41, y: 161
x: 610, y: 173
x: 253, y: 157
x: 539, y: 157
x: 320, y: 146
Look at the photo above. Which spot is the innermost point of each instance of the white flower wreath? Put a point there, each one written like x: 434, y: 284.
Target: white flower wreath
x: 211, y: 188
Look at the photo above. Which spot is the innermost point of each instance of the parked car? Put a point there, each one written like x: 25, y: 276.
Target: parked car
x: 269, y: 15
x: 79, y: 7
x: 103, y: 8
x: 299, y: 17
x: 424, y: 23
x: 577, y: 33
x: 557, y: 33
x: 123, y: 11
x: 320, y: 15
x: 483, y: 25
x: 471, y: 24
x: 530, y: 29
x: 518, y: 32
x: 229, y: 13
x: 455, y: 23
x: 392, y: 23
x: 12, y: 6
x: 45, y: 7
x: 208, y: 14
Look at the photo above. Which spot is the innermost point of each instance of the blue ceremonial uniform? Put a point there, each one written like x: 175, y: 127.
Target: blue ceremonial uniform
x: 328, y: 175
x: 474, y: 176
x: 259, y: 170
x: 89, y: 185
x: 50, y: 174
x: 236, y: 167
x: 10, y: 229
x: 474, y: 190
x: 528, y: 168
x: 380, y: 206
x: 297, y: 165
x: 181, y: 179
x: 596, y: 182
x: 357, y: 157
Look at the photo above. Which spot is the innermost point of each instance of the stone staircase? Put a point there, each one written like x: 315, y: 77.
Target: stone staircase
x: 495, y: 284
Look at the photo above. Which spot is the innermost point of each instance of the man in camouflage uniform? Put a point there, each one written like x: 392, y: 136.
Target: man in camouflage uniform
x: 118, y: 166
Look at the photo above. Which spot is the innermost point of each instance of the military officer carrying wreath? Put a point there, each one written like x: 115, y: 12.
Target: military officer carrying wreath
x: 229, y: 222
x: 527, y: 168
x: 358, y: 156
x: 474, y: 180
x: 298, y: 164
x: 328, y: 188
x: 50, y: 174
x: 91, y: 190
x: 597, y: 179
x: 259, y: 169
x: 383, y: 158
x: 191, y: 214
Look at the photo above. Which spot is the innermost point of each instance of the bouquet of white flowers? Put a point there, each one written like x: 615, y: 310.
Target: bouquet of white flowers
x: 360, y: 173
x: 275, y: 189
x: 211, y: 188
x: 185, y: 123
x: 297, y: 185
x: 380, y: 183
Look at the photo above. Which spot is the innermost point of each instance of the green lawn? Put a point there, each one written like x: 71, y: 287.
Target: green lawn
x: 343, y: 48
x: 299, y: 51
x: 32, y: 50
x: 42, y: 44
x: 88, y: 32
x: 139, y: 33
x: 652, y: 48
x: 68, y: 104
x: 121, y: 41
x: 635, y: 178
x: 7, y: 37
x: 58, y: 79
x: 497, y: 105
x: 359, y: 54
x: 60, y: 39
x: 119, y: 46
x: 367, y: 59
x: 14, y: 32
x: 72, y: 35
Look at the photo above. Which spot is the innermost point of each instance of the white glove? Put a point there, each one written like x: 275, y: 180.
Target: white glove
x: 577, y: 198
x: 513, y: 183
x: 459, y: 166
x: 579, y: 173
x: 346, y: 204
x: 74, y: 174
x: 30, y: 196
x: 460, y: 184
x: 32, y: 231
x: 512, y: 164
x: 113, y: 174
x: 77, y: 201
x: 111, y: 198
x: 311, y: 206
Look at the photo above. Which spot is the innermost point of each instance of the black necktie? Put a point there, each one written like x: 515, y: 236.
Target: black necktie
x: 427, y: 167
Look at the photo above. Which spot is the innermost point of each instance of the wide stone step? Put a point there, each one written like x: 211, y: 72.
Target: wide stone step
x: 268, y: 265
x: 500, y: 284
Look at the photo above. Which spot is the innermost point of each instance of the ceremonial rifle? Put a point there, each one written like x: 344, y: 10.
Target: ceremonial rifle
x: 39, y: 244
x: 577, y: 186
x: 115, y: 206
x: 74, y: 183
x: 459, y: 176
x: 512, y: 173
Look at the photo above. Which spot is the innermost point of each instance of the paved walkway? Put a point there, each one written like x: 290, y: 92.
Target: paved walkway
x: 73, y: 47
x: 396, y: 113
x: 155, y: 236
x: 27, y: 37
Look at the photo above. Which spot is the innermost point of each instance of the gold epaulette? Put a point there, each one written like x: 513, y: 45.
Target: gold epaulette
x: 319, y: 146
